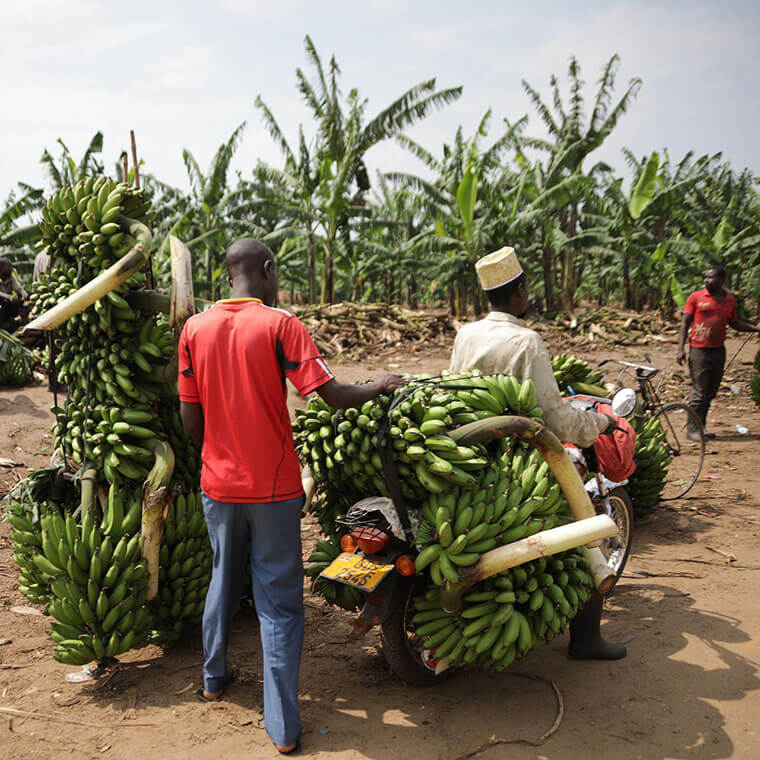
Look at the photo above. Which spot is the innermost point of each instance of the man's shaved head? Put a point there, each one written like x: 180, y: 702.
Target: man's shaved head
x: 251, y: 271
x: 246, y: 257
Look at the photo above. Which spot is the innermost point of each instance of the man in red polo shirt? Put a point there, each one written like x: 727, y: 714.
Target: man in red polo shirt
x: 707, y: 312
x: 233, y: 363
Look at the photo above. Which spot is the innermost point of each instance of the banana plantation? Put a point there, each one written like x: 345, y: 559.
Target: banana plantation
x: 638, y: 234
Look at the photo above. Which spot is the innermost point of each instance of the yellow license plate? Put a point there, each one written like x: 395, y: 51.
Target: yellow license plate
x: 355, y: 570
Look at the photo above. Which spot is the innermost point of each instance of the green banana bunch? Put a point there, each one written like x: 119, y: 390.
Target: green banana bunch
x: 347, y: 597
x: 755, y: 381
x: 185, y: 567
x: 571, y: 370
x: 342, y: 448
x: 97, y: 584
x: 114, y: 359
x: 463, y: 524
x: 84, y: 223
x: 652, y: 460
x: 16, y: 361
x: 111, y: 356
x: 508, y: 615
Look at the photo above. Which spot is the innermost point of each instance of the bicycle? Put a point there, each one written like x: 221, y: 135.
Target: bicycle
x: 675, y: 418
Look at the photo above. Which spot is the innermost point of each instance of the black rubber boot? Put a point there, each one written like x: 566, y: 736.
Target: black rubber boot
x: 586, y: 642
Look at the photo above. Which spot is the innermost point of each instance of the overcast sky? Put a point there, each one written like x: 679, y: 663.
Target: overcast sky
x: 185, y: 74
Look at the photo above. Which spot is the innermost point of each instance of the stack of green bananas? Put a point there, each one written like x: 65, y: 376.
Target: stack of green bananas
x: 468, y: 499
x: 16, y: 361
x: 755, y: 382
x: 577, y: 373
x: 120, y: 400
x: 342, y: 448
x: 347, y: 597
x: 652, y: 460
x: 185, y: 567
x: 111, y: 357
x: 507, y: 615
x: 40, y: 494
x: 96, y: 579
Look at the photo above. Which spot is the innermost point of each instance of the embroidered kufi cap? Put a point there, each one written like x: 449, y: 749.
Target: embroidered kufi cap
x: 498, y: 268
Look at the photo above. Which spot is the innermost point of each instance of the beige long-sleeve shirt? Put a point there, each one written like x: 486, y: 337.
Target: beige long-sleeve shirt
x: 503, y: 343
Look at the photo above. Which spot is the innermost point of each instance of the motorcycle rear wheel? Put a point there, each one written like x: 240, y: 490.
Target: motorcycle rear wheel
x: 402, y: 649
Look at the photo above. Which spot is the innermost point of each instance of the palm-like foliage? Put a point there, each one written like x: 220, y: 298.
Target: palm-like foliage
x: 65, y: 170
x: 572, y: 137
x: 16, y: 240
x: 580, y: 228
x: 211, y: 215
x: 325, y: 184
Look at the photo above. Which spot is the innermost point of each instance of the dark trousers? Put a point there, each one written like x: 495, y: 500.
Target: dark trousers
x: 706, y: 370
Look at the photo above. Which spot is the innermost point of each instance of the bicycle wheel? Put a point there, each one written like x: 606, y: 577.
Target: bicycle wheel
x: 686, y: 455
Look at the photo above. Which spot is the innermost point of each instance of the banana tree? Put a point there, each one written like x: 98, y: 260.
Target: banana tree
x: 17, y: 241
x: 572, y: 137
x: 333, y: 198
x: 213, y: 212
x: 462, y: 206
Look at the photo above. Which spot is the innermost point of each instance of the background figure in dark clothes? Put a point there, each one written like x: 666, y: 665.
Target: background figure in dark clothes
x: 705, y: 317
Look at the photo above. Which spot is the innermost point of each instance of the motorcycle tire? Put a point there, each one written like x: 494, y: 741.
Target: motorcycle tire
x: 402, y: 649
x: 618, y: 548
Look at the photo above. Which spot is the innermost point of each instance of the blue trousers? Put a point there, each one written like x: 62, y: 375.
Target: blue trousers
x: 274, y: 529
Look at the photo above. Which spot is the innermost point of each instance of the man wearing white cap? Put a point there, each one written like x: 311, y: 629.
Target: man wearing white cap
x: 502, y: 342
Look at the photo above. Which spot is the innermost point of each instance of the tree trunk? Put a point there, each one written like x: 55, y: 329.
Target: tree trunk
x: 567, y: 259
x: 328, y: 283
x: 461, y: 296
x: 627, y: 295
x: 312, y: 267
x: 412, y: 292
x: 547, y: 255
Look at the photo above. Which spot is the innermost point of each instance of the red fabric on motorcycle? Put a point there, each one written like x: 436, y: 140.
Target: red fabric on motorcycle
x: 615, y: 450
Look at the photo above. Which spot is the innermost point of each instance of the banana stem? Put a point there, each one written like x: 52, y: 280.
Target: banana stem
x: 89, y: 491
x: 106, y: 281
x: 157, y: 303
x: 563, y: 469
x: 156, y: 499
x: 182, y: 300
x: 542, y: 544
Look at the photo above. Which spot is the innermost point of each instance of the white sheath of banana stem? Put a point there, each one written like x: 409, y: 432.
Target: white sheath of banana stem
x: 106, y: 281
x: 308, y: 483
x: 542, y: 544
x: 182, y: 300
x: 156, y: 499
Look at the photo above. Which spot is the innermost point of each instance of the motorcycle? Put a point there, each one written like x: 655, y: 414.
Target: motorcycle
x: 379, y: 559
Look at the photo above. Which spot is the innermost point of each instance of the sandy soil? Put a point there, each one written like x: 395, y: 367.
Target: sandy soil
x: 689, y: 687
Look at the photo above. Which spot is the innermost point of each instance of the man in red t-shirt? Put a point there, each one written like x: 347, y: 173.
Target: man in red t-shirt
x: 707, y: 312
x: 233, y: 363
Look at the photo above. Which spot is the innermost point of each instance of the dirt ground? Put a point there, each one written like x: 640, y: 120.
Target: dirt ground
x: 689, y: 602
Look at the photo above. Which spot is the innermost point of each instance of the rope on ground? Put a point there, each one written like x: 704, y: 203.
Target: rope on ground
x: 494, y: 742
x: 59, y: 719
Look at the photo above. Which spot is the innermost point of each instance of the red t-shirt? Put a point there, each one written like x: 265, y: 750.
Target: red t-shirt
x: 233, y: 361
x: 708, y: 330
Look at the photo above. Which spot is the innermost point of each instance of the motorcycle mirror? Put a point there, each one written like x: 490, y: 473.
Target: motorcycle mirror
x: 624, y: 402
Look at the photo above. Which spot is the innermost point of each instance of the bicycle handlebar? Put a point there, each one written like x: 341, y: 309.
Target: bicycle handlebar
x: 642, y: 370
